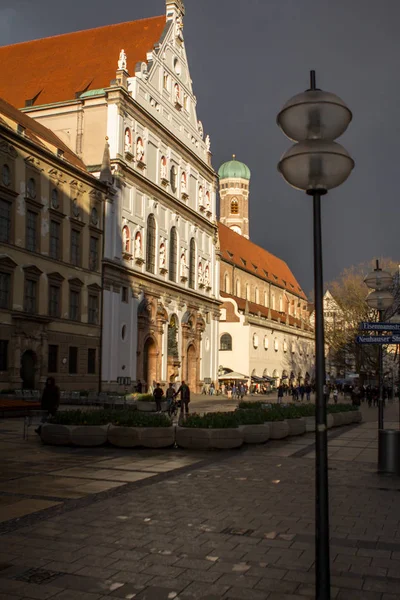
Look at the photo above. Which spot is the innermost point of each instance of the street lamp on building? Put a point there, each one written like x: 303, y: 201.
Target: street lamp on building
x: 316, y: 164
x: 380, y: 299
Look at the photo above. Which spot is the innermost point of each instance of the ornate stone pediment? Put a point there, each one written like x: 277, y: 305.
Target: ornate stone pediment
x: 32, y: 270
x: 6, y: 148
x: 75, y: 282
x: 94, y: 287
x: 7, y: 262
x: 56, y: 276
x: 34, y: 163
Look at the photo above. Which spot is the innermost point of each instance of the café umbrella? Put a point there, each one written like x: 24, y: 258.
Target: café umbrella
x: 233, y: 376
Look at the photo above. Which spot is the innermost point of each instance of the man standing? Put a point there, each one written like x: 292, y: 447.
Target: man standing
x: 185, y: 397
x: 158, y: 393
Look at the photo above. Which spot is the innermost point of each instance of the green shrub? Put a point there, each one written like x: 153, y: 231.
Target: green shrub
x: 251, y: 417
x: 217, y: 420
x: 8, y: 391
x: 251, y: 405
x: 145, y: 398
x: 126, y: 417
x: 334, y: 408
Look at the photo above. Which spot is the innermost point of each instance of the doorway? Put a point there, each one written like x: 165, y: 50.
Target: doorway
x: 28, y: 369
x: 191, y: 368
x: 150, y: 362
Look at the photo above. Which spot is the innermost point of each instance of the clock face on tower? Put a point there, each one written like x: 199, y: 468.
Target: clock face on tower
x: 236, y: 229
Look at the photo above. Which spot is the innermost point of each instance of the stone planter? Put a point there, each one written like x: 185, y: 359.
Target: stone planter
x: 192, y: 437
x: 89, y: 435
x: 337, y: 419
x: 356, y: 416
x: 255, y: 434
x: 329, y: 421
x: 347, y: 417
x: 123, y: 437
x: 226, y: 438
x: 278, y: 430
x: 157, y: 437
x: 56, y: 435
x: 145, y: 406
x: 296, y: 426
x: 310, y: 423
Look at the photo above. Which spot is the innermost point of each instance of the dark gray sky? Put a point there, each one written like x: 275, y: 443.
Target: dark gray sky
x: 247, y: 58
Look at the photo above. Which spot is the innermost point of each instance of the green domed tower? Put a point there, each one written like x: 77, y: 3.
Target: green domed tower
x: 234, y: 182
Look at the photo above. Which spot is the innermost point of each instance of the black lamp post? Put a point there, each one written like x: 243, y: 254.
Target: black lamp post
x: 315, y: 165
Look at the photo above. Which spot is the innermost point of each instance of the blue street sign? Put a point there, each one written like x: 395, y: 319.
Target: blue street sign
x: 380, y: 326
x: 378, y: 339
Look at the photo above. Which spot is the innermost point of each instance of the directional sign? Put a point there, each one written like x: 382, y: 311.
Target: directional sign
x: 378, y: 339
x: 380, y: 326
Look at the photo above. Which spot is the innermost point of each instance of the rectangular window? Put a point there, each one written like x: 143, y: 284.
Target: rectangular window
x: 73, y: 360
x: 3, y: 355
x: 124, y: 294
x: 74, y: 305
x: 5, y: 221
x: 30, y: 297
x: 31, y: 231
x: 5, y: 284
x: 94, y: 253
x: 55, y: 239
x: 75, y: 248
x: 93, y: 309
x: 52, y: 364
x: 54, y: 300
x: 91, y: 361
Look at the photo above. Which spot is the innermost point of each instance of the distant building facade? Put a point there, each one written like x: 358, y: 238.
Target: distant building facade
x: 160, y: 267
x: 51, y: 237
x: 264, y: 325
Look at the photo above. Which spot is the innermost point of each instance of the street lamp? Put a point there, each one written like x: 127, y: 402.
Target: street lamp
x: 315, y: 165
x: 379, y: 300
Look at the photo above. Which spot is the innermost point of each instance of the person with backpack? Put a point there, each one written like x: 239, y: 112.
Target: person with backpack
x: 184, y: 391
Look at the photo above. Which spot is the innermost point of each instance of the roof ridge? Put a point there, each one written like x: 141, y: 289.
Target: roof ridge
x: 58, y: 35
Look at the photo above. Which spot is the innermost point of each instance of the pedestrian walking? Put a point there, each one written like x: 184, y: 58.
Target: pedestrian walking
x: 50, y: 400
x: 280, y: 394
x: 335, y: 395
x: 170, y: 393
x: 158, y: 393
x: 184, y: 391
x: 308, y: 392
x: 302, y: 391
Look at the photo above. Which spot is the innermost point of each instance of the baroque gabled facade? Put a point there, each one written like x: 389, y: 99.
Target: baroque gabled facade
x: 264, y: 325
x: 51, y: 236
x: 160, y: 268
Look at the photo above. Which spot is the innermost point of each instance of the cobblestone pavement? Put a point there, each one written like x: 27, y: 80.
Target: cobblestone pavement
x: 216, y: 525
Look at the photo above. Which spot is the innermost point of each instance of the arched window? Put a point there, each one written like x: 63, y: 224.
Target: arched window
x: 280, y: 304
x: 247, y: 291
x: 237, y: 288
x: 226, y: 284
x: 173, y: 178
x: 173, y: 254
x: 6, y: 175
x: 151, y: 244
x: 225, y: 342
x: 126, y: 240
x: 192, y: 263
x: 234, y: 206
x: 256, y: 296
x: 273, y: 301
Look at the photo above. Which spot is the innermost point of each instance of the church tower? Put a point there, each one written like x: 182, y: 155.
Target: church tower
x: 234, y: 182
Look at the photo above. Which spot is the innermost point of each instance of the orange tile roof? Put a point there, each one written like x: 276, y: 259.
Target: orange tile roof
x: 37, y: 133
x: 256, y: 309
x: 255, y: 260
x: 58, y: 67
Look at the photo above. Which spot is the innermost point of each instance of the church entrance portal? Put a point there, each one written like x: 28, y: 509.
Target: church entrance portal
x: 191, y: 368
x: 28, y: 367
x: 150, y: 362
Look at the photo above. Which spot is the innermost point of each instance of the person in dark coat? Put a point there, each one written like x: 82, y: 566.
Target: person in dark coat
x: 158, y: 394
x: 50, y: 400
x: 185, y: 397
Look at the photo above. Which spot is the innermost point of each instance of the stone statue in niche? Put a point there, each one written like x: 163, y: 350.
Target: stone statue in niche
x: 177, y: 93
x: 207, y: 276
x: 200, y: 273
x: 125, y: 239
x: 139, y: 150
x: 183, y: 183
x: 200, y: 128
x: 138, y: 245
x: 122, y: 61
x: 208, y: 203
x: 208, y: 143
x: 162, y: 260
x: 178, y: 26
x: 183, y: 263
x: 128, y: 140
x: 163, y: 168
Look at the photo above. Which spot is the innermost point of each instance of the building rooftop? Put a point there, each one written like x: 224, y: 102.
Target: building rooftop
x: 249, y: 257
x: 234, y: 169
x: 61, y: 67
x: 14, y: 119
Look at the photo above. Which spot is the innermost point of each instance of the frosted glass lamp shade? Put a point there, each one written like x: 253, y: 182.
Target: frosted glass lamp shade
x: 314, y: 114
x: 316, y: 165
x: 379, y: 280
x: 380, y: 300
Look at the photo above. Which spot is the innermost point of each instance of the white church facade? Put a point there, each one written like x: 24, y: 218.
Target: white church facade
x: 129, y: 112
